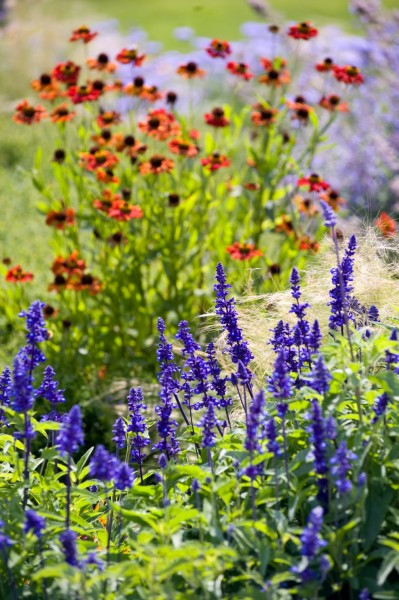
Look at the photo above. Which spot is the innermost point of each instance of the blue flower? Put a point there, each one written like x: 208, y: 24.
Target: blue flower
x: 318, y: 439
x: 380, y: 406
x: 320, y: 376
x: 280, y: 383
x: 36, y: 333
x: 5, y: 391
x: 315, y: 337
x: 70, y: 435
x: 228, y: 317
x: 197, y: 371
x: 342, y: 276
x: 103, y: 464
x: 340, y: 467
x: 34, y: 522
x: 119, y: 433
x: 137, y: 425
x: 311, y: 541
x: 5, y: 541
x: 68, y: 541
x: 271, y: 435
x: 124, y: 477
x: 218, y: 384
x: 254, y: 421
x: 330, y: 219
x: 208, y: 423
x: 22, y: 397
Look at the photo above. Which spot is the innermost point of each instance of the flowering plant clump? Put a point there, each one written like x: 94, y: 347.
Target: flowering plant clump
x: 147, y: 193
x: 234, y: 487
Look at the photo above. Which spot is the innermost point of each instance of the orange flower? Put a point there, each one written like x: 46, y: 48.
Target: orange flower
x: 59, y: 284
x: 306, y: 205
x: 86, y: 283
x: 106, y: 175
x: 314, y: 182
x: 18, y: 275
x: 61, y: 218
x: 130, y: 56
x: 71, y: 265
x: 348, y: 74
x: 108, y: 198
x: 128, y: 144
x: 263, y: 116
x: 101, y: 63
x: 275, y: 72
x: 190, y: 70
x: 123, y: 211
x: 326, y: 66
x: 160, y: 124
x: 84, y: 93
x: 98, y: 158
x: 215, y: 161
x: 26, y: 114
x: 218, y: 48
x: 157, y: 164
x: 386, y: 225
x: 252, y: 187
x: 49, y: 312
x: 67, y: 72
x: 61, y: 114
x: 216, y: 118
x: 302, y: 31
x: 82, y: 33
x: 151, y: 93
x: 333, y: 199
x: 306, y: 243
x: 242, y: 251
x: 333, y: 103
x: 47, y: 88
x: 104, y: 138
x: 283, y: 224
x: 240, y: 70
x: 301, y: 110
x: 135, y: 88
x: 183, y: 147
x: 108, y: 117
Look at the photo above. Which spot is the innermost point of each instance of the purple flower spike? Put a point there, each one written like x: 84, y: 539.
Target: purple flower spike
x: 34, y: 522
x: 70, y: 436
x: 340, y: 467
x: 320, y: 376
x: 208, y: 424
x: 119, y: 433
x: 330, y: 220
x: 124, y: 477
x: 68, y: 541
x: 103, y: 465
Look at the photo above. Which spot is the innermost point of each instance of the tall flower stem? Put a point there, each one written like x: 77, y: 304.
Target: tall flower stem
x: 26, y: 460
x: 285, y: 454
x: 68, y: 493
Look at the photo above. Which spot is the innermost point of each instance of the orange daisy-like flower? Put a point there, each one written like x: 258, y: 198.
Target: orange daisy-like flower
x: 386, y: 225
x: 151, y: 93
x: 61, y: 114
x: 275, y: 72
x: 306, y: 206
x: 83, y: 93
x: 157, y: 164
x: 67, y: 72
x: 348, y: 74
x: 98, y: 158
x: 106, y: 201
x: 306, y: 243
x: 302, y: 31
x: 61, y: 218
x: 216, y: 118
x: 190, y: 70
x: 104, y: 138
x: 284, y: 224
x: 18, y: 275
x: 47, y: 88
x: 130, y: 56
x: 83, y: 33
x: 251, y: 187
x: 128, y: 144
x: 218, y: 48
x: 71, y: 265
x: 326, y: 66
x: 333, y: 198
x: 86, y: 283
x: 215, y: 161
x: 108, y: 117
x: 101, y: 63
x: 300, y: 109
x: 106, y: 175
x: 49, y: 312
x: 160, y: 124
x: 123, y: 211
x: 263, y: 116
x: 240, y: 70
x: 136, y: 87
x: 242, y: 251
x: 333, y: 103
x: 59, y: 284
x: 26, y: 113
x: 183, y: 147
x: 314, y: 182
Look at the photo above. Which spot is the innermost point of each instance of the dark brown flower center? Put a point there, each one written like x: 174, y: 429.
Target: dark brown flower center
x: 191, y: 67
x: 156, y: 161
x: 154, y: 123
x: 87, y: 279
x: 45, y: 79
x: 102, y: 59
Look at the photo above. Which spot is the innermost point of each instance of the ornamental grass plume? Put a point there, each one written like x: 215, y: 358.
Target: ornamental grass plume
x: 376, y: 260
